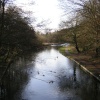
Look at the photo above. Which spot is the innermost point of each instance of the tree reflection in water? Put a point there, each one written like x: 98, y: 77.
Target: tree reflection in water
x: 79, y: 84
x: 16, y: 77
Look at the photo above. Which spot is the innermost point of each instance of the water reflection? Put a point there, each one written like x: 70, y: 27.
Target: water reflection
x: 16, y: 78
x: 48, y: 75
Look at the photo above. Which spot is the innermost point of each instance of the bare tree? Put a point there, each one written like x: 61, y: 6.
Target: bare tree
x: 2, y: 12
x: 89, y: 11
x: 91, y: 14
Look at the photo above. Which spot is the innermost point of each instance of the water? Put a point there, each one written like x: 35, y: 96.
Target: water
x: 48, y: 75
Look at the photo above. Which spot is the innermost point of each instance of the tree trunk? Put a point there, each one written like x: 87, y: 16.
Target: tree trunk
x: 76, y: 45
x: 2, y: 20
x: 97, y: 52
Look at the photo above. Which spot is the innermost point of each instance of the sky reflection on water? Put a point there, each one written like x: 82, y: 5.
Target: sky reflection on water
x: 48, y: 75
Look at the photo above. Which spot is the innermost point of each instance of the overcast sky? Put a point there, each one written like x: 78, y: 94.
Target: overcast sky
x: 49, y: 11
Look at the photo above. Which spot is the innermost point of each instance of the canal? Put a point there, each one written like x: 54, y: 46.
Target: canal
x: 48, y: 75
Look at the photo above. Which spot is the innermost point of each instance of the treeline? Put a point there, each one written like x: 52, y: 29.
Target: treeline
x: 16, y: 33
x: 54, y: 37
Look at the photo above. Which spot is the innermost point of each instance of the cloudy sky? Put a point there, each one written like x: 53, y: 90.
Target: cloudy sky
x: 47, y: 11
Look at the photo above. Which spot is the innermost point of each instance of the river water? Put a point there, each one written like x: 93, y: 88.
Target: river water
x: 48, y: 75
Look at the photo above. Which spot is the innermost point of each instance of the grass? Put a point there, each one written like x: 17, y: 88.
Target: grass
x: 62, y: 49
x: 69, y: 49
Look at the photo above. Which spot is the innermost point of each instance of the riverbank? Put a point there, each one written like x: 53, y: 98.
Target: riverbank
x: 87, y: 63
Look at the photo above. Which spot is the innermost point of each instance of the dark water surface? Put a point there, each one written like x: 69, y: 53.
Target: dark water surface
x: 48, y: 75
